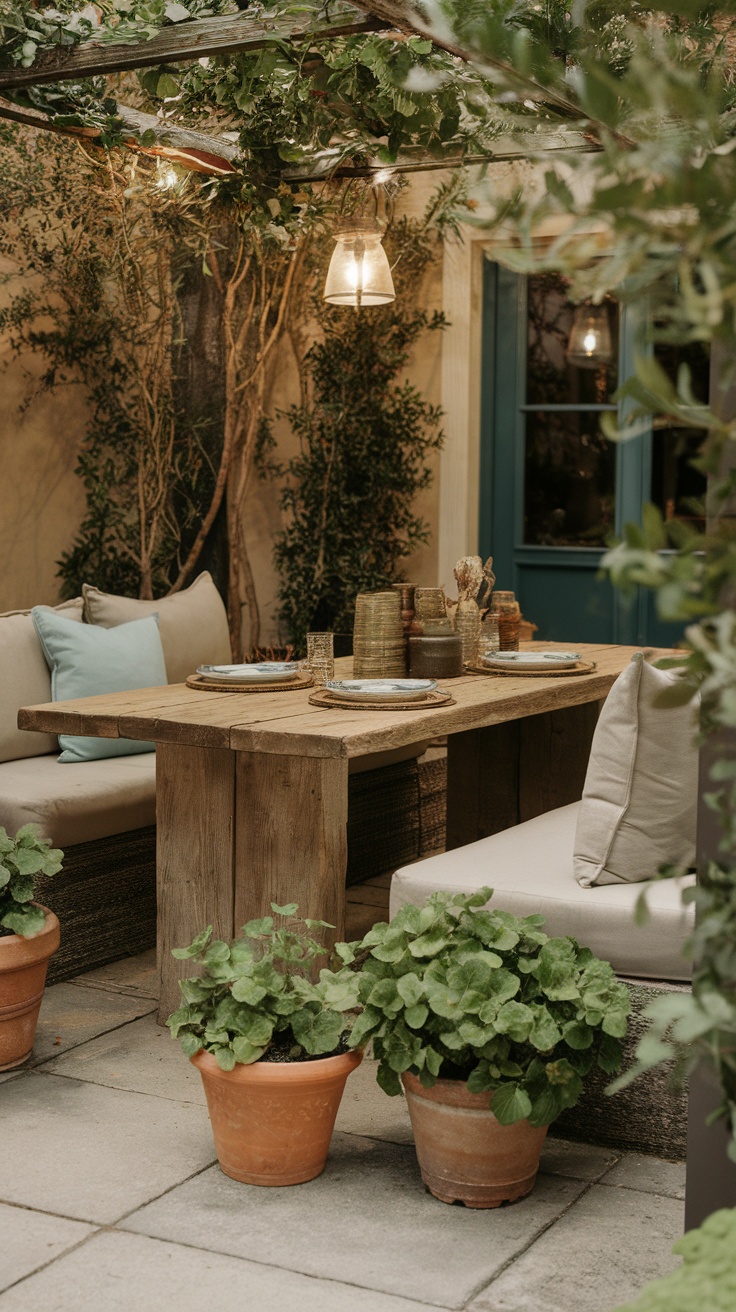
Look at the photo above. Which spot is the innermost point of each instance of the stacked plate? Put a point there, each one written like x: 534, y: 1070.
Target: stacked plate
x: 531, y: 660
x: 379, y: 644
x: 262, y: 672
x: 381, y: 690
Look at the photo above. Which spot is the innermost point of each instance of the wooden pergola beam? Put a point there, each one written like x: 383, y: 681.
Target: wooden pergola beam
x: 193, y: 150
x: 181, y: 43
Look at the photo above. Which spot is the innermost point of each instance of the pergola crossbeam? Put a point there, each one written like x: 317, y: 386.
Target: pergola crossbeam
x: 182, y: 43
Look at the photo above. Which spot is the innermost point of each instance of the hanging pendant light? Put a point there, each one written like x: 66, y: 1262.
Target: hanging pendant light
x: 590, y: 344
x: 359, y: 272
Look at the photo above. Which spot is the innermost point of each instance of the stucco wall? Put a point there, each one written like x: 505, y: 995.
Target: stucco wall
x: 41, y: 499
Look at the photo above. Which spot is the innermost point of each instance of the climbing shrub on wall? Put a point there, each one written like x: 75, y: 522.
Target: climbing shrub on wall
x: 92, y: 289
x: 366, y: 438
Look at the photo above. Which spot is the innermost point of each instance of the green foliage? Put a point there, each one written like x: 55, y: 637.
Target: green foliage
x: 365, y: 437
x: 690, y: 1029
x: 256, y: 994
x: 92, y: 292
x: 707, y: 1276
x: 26, y: 30
x: 453, y: 990
x: 21, y: 859
x: 339, y: 97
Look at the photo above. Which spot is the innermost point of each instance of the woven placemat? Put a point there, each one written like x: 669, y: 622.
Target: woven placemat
x: 583, y: 667
x: 330, y: 700
x: 279, y: 685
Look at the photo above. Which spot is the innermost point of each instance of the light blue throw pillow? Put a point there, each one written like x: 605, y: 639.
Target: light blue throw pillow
x: 86, y: 659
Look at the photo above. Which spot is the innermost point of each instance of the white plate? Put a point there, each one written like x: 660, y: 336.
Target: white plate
x: 263, y: 672
x: 532, y: 660
x: 373, y: 690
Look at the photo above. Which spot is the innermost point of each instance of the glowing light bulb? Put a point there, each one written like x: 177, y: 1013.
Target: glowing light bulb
x: 166, y: 176
x: 359, y: 273
x: 590, y: 341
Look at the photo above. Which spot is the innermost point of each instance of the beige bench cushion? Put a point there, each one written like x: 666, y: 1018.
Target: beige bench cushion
x: 94, y: 800
x: 530, y: 868
x: 25, y: 680
x: 192, y: 623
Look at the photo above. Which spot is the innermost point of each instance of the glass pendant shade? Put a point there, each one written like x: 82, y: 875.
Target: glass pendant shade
x: 590, y: 342
x: 359, y: 272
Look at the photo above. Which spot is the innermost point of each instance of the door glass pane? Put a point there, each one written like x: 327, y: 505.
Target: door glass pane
x: 677, y: 488
x: 551, y: 378
x: 570, y: 481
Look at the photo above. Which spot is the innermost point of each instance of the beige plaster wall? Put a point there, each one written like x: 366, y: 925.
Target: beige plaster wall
x: 41, y: 499
x: 262, y: 510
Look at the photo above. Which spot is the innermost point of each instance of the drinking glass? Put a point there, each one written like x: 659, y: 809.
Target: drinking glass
x: 320, y: 657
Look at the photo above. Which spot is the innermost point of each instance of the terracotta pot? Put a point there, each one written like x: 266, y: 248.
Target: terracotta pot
x: 23, y: 965
x: 272, y: 1121
x: 464, y: 1153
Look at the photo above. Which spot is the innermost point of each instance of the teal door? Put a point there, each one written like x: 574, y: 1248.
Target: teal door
x: 554, y: 492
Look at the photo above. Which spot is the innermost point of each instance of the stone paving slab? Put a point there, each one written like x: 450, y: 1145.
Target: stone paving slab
x: 368, y: 1220
x: 118, y: 1272
x: 580, y: 1161
x: 29, y: 1240
x: 94, y: 1153
x: 134, y: 975
x: 71, y: 1015
x: 141, y: 1057
x: 650, y: 1175
x: 601, y: 1253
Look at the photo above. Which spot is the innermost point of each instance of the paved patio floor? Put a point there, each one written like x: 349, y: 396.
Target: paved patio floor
x: 111, y: 1199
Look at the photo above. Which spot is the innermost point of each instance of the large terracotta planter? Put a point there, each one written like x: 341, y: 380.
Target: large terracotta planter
x: 23, y: 965
x: 272, y: 1121
x: 464, y: 1153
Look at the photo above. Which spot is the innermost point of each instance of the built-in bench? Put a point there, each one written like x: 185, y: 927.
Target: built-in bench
x: 639, y: 797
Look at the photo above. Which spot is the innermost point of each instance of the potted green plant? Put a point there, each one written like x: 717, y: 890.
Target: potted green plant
x: 491, y: 1026
x: 29, y: 935
x: 269, y: 1045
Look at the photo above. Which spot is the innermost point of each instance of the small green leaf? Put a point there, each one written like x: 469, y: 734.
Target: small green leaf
x: 290, y: 909
x: 510, y: 1104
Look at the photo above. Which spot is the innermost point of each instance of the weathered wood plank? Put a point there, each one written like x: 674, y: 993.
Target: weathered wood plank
x: 181, y: 43
x: 284, y: 722
x: 195, y: 150
x: 553, y: 758
x: 482, y: 782
x: 291, y: 837
x: 195, y: 822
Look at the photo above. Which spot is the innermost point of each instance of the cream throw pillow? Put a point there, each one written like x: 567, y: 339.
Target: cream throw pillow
x: 192, y: 623
x: 25, y: 681
x: 640, y: 797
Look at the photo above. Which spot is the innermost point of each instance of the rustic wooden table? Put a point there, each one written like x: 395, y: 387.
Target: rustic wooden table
x: 252, y: 789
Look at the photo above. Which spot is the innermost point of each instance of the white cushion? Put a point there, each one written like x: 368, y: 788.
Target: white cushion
x: 530, y: 870
x: 25, y: 680
x: 192, y: 623
x: 640, y: 797
x: 94, y: 800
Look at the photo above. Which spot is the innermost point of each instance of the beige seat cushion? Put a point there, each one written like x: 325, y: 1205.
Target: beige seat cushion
x: 192, y: 623
x: 25, y: 680
x: 530, y: 869
x: 94, y: 800
x: 641, y: 789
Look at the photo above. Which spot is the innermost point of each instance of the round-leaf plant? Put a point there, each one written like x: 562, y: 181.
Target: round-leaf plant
x: 21, y: 858
x: 256, y: 998
x: 455, y: 990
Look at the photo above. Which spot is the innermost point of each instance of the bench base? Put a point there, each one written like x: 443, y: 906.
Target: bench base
x: 650, y: 1116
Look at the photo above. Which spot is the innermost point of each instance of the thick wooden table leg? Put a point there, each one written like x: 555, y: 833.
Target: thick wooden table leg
x: 554, y: 749
x: 195, y: 813
x: 482, y: 782
x: 291, y: 837
x: 507, y: 773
